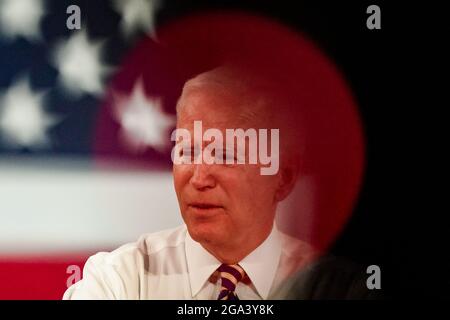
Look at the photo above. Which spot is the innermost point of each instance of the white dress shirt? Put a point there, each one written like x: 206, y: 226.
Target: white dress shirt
x: 170, y: 265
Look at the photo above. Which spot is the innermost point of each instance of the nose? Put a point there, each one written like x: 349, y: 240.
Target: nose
x: 202, y: 178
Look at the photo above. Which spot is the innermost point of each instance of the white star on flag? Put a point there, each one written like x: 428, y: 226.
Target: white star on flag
x: 79, y: 63
x: 137, y: 15
x: 21, y: 18
x: 23, y: 121
x: 144, y: 123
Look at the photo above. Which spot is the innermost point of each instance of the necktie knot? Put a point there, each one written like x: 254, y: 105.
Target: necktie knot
x: 230, y: 275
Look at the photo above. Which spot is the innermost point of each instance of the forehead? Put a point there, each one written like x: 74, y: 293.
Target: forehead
x: 219, y: 106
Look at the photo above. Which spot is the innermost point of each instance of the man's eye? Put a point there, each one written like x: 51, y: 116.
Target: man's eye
x: 226, y: 156
x: 230, y: 156
x: 189, y: 153
x: 186, y: 153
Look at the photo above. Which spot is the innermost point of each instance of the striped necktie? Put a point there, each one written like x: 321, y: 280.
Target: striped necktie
x: 230, y: 275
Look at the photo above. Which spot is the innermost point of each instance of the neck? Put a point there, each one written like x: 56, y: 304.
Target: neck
x: 233, y: 254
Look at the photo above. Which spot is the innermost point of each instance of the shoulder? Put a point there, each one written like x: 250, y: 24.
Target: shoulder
x: 119, y: 274
x: 296, y: 249
x: 331, y: 278
x: 149, y: 244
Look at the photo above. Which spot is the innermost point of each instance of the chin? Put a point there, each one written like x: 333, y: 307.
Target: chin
x: 202, y: 233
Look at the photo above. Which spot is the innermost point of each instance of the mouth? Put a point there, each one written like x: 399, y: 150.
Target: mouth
x: 204, y: 206
x: 204, y: 210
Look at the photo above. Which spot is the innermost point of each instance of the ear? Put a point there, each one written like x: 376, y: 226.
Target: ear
x: 287, y: 180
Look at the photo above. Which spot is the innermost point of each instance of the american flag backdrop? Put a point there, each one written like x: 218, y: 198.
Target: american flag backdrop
x: 58, y: 170
x: 85, y: 121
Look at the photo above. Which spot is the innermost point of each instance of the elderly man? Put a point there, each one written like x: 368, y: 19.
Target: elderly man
x: 229, y: 247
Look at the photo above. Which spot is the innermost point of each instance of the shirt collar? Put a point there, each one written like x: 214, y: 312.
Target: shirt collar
x: 201, y: 264
x: 260, y: 265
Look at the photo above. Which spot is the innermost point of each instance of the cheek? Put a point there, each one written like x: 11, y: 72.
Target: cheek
x: 261, y: 191
x: 181, y: 178
x: 248, y: 190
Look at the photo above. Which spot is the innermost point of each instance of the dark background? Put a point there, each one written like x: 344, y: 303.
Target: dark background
x: 380, y: 66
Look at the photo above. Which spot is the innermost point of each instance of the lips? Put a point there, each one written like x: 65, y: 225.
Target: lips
x: 204, y: 206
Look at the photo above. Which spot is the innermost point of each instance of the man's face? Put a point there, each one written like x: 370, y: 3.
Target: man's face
x: 222, y: 204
